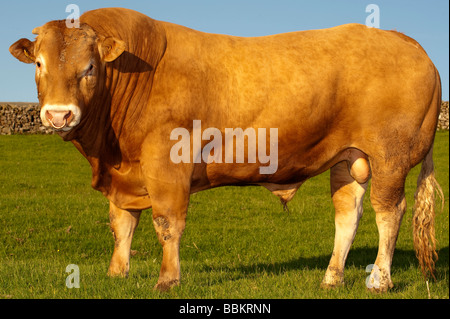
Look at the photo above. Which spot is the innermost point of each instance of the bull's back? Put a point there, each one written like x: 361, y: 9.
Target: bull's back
x: 300, y: 76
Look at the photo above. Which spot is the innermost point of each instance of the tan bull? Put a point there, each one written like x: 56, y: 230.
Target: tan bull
x: 360, y: 101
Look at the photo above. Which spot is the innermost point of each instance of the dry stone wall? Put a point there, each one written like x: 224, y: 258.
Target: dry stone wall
x: 443, y: 117
x: 21, y: 119
x: 24, y: 118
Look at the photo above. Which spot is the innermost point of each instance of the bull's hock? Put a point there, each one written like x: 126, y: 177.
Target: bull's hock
x: 24, y: 118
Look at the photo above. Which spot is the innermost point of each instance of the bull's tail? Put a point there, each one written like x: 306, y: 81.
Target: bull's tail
x: 424, y: 215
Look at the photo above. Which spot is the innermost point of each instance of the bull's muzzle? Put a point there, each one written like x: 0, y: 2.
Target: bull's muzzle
x: 60, y: 117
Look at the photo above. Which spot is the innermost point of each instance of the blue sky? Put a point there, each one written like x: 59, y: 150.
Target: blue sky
x: 426, y: 21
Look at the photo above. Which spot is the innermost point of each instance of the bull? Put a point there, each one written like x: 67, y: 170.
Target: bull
x: 358, y: 101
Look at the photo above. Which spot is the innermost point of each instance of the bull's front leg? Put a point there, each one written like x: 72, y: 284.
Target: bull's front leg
x: 169, y: 185
x: 170, y: 203
x: 122, y: 223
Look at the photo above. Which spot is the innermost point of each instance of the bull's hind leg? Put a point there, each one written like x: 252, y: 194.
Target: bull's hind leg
x: 122, y: 223
x: 388, y: 200
x: 347, y: 197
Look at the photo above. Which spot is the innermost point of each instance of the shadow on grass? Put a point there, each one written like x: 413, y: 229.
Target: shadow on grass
x: 358, y: 257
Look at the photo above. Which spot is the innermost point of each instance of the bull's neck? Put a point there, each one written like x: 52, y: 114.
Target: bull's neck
x: 130, y: 80
x: 95, y: 136
x: 113, y: 127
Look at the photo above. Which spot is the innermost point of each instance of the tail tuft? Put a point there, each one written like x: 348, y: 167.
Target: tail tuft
x: 424, y: 216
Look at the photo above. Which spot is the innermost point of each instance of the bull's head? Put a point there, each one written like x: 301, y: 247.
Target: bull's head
x: 70, y: 63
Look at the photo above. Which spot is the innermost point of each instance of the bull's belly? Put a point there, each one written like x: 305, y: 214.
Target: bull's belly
x: 248, y: 174
x: 130, y: 192
x: 290, y: 174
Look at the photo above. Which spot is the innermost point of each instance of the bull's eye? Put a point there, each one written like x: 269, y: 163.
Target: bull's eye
x: 89, y: 70
x: 38, y: 68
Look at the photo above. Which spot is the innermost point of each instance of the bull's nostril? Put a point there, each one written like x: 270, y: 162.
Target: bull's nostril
x: 48, y: 115
x: 68, y: 115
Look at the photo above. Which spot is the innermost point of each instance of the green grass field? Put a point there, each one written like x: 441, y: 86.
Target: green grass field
x: 238, y: 242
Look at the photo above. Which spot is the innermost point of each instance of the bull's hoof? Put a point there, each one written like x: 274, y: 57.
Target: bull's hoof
x: 334, y: 278
x: 166, y: 285
x: 379, y: 282
x: 117, y: 274
x: 381, y: 288
x: 118, y: 268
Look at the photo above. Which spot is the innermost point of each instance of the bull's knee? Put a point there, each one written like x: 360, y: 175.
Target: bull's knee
x: 163, y: 228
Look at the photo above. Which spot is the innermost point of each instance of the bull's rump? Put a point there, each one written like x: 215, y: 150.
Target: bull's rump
x: 324, y: 90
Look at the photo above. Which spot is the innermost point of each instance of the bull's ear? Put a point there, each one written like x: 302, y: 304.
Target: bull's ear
x: 23, y: 50
x: 111, y: 48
